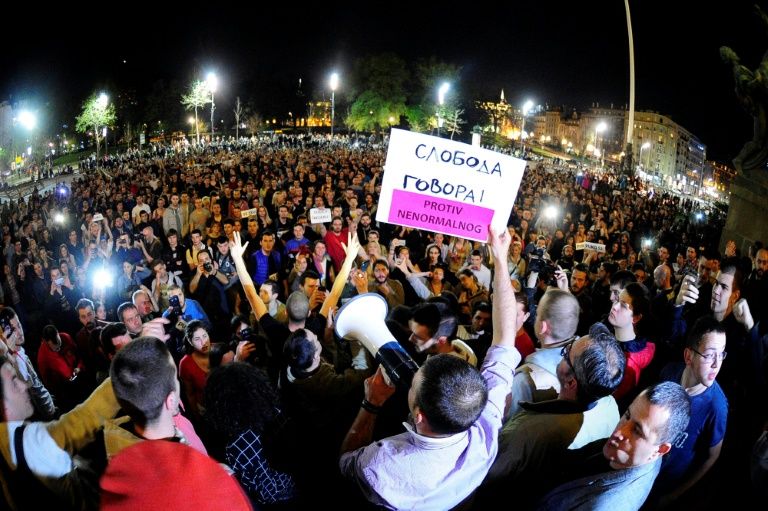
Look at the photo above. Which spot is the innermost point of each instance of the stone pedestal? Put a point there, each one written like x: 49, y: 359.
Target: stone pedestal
x: 748, y: 212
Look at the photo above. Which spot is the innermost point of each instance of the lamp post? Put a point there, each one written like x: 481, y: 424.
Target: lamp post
x: 102, y: 103
x: 527, y: 106
x: 29, y: 121
x: 212, y: 82
x: 440, y: 101
x: 599, y: 129
x: 333, y: 83
x: 646, y: 145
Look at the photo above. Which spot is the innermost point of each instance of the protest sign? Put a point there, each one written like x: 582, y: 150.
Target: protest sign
x: 449, y: 187
x: 249, y: 212
x: 319, y: 215
x: 596, y: 247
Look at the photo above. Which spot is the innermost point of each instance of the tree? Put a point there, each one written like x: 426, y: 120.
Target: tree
x: 254, y: 122
x: 238, y: 111
x: 429, y: 75
x: 378, y: 89
x: 97, y: 112
x: 198, y: 97
x: 371, y: 111
x: 453, y: 121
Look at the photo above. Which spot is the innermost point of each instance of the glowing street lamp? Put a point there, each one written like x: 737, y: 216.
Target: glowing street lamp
x: 333, y: 83
x: 646, y: 145
x: 213, y: 83
x: 599, y: 130
x: 27, y: 119
x: 527, y: 106
x: 441, y: 92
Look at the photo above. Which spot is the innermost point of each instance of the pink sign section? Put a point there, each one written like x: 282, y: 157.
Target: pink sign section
x: 439, y: 215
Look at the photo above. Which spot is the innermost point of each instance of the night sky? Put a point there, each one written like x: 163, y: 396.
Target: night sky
x: 559, y: 52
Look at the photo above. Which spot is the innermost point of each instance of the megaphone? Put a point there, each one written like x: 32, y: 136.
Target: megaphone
x: 362, y: 318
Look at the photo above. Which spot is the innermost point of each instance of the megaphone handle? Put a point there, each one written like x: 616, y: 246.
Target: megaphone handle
x: 385, y: 374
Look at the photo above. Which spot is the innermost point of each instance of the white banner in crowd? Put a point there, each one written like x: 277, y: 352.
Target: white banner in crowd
x: 249, y: 212
x: 319, y: 215
x: 444, y: 186
x: 597, y: 247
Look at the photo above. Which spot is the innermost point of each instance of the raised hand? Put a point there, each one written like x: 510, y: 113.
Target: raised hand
x: 742, y: 314
x: 238, y: 249
x: 499, y: 243
x: 689, y: 293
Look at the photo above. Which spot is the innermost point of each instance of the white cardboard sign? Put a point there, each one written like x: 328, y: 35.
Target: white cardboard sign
x: 439, y: 185
x: 319, y: 215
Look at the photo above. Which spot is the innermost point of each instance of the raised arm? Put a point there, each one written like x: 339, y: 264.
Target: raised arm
x: 237, y: 250
x: 504, y: 307
x: 351, y: 249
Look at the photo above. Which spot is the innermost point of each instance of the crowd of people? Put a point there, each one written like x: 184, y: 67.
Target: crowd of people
x: 184, y: 295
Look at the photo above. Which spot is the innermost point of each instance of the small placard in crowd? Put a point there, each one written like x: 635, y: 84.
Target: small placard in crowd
x: 249, y: 212
x: 319, y: 215
x: 596, y: 247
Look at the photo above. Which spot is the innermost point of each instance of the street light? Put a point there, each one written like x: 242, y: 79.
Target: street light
x: 441, y: 92
x: 212, y: 82
x: 102, y: 103
x: 646, y: 145
x: 527, y: 106
x: 27, y: 119
x: 601, y: 127
x: 333, y: 83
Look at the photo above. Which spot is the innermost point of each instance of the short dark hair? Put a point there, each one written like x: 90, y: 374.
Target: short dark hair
x: 673, y: 397
x: 622, y: 278
x: 108, y: 333
x: 702, y: 327
x: 600, y: 367
x: 641, y: 299
x: 299, y: 352
x: 738, y: 276
x: 452, y: 394
x: 428, y: 315
x: 309, y: 274
x: 272, y: 285
x: 143, y: 375
x: 582, y: 268
x: 124, y: 307
x: 83, y: 303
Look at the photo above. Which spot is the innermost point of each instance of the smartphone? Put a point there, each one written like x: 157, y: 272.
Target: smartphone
x: 321, y: 289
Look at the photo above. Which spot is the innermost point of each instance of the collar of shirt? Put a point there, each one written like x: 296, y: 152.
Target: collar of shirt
x: 429, y: 442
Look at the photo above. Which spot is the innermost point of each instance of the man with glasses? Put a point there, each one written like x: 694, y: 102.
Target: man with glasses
x: 696, y: 451
x: 541, y: 434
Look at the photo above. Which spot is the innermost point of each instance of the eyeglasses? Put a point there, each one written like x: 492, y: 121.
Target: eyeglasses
x: 565, y: 352
x: 710, y: 357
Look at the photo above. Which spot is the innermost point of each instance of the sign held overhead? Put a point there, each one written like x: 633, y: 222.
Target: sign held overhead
x: 449, y: 187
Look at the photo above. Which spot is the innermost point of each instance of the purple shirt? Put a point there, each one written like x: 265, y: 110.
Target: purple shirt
x: 412, y: 471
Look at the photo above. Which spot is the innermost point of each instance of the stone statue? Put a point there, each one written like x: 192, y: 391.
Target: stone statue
x: 752, y: 91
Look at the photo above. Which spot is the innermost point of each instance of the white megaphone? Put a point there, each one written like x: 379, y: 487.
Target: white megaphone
x: 362, y: 318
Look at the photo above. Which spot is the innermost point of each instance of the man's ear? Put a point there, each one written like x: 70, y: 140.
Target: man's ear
x: 688, y: 356
x: 664, y: 448
x: 526, y: 316
x: 171, y: 400
x: 636, y: 318
x: 544, y: 326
